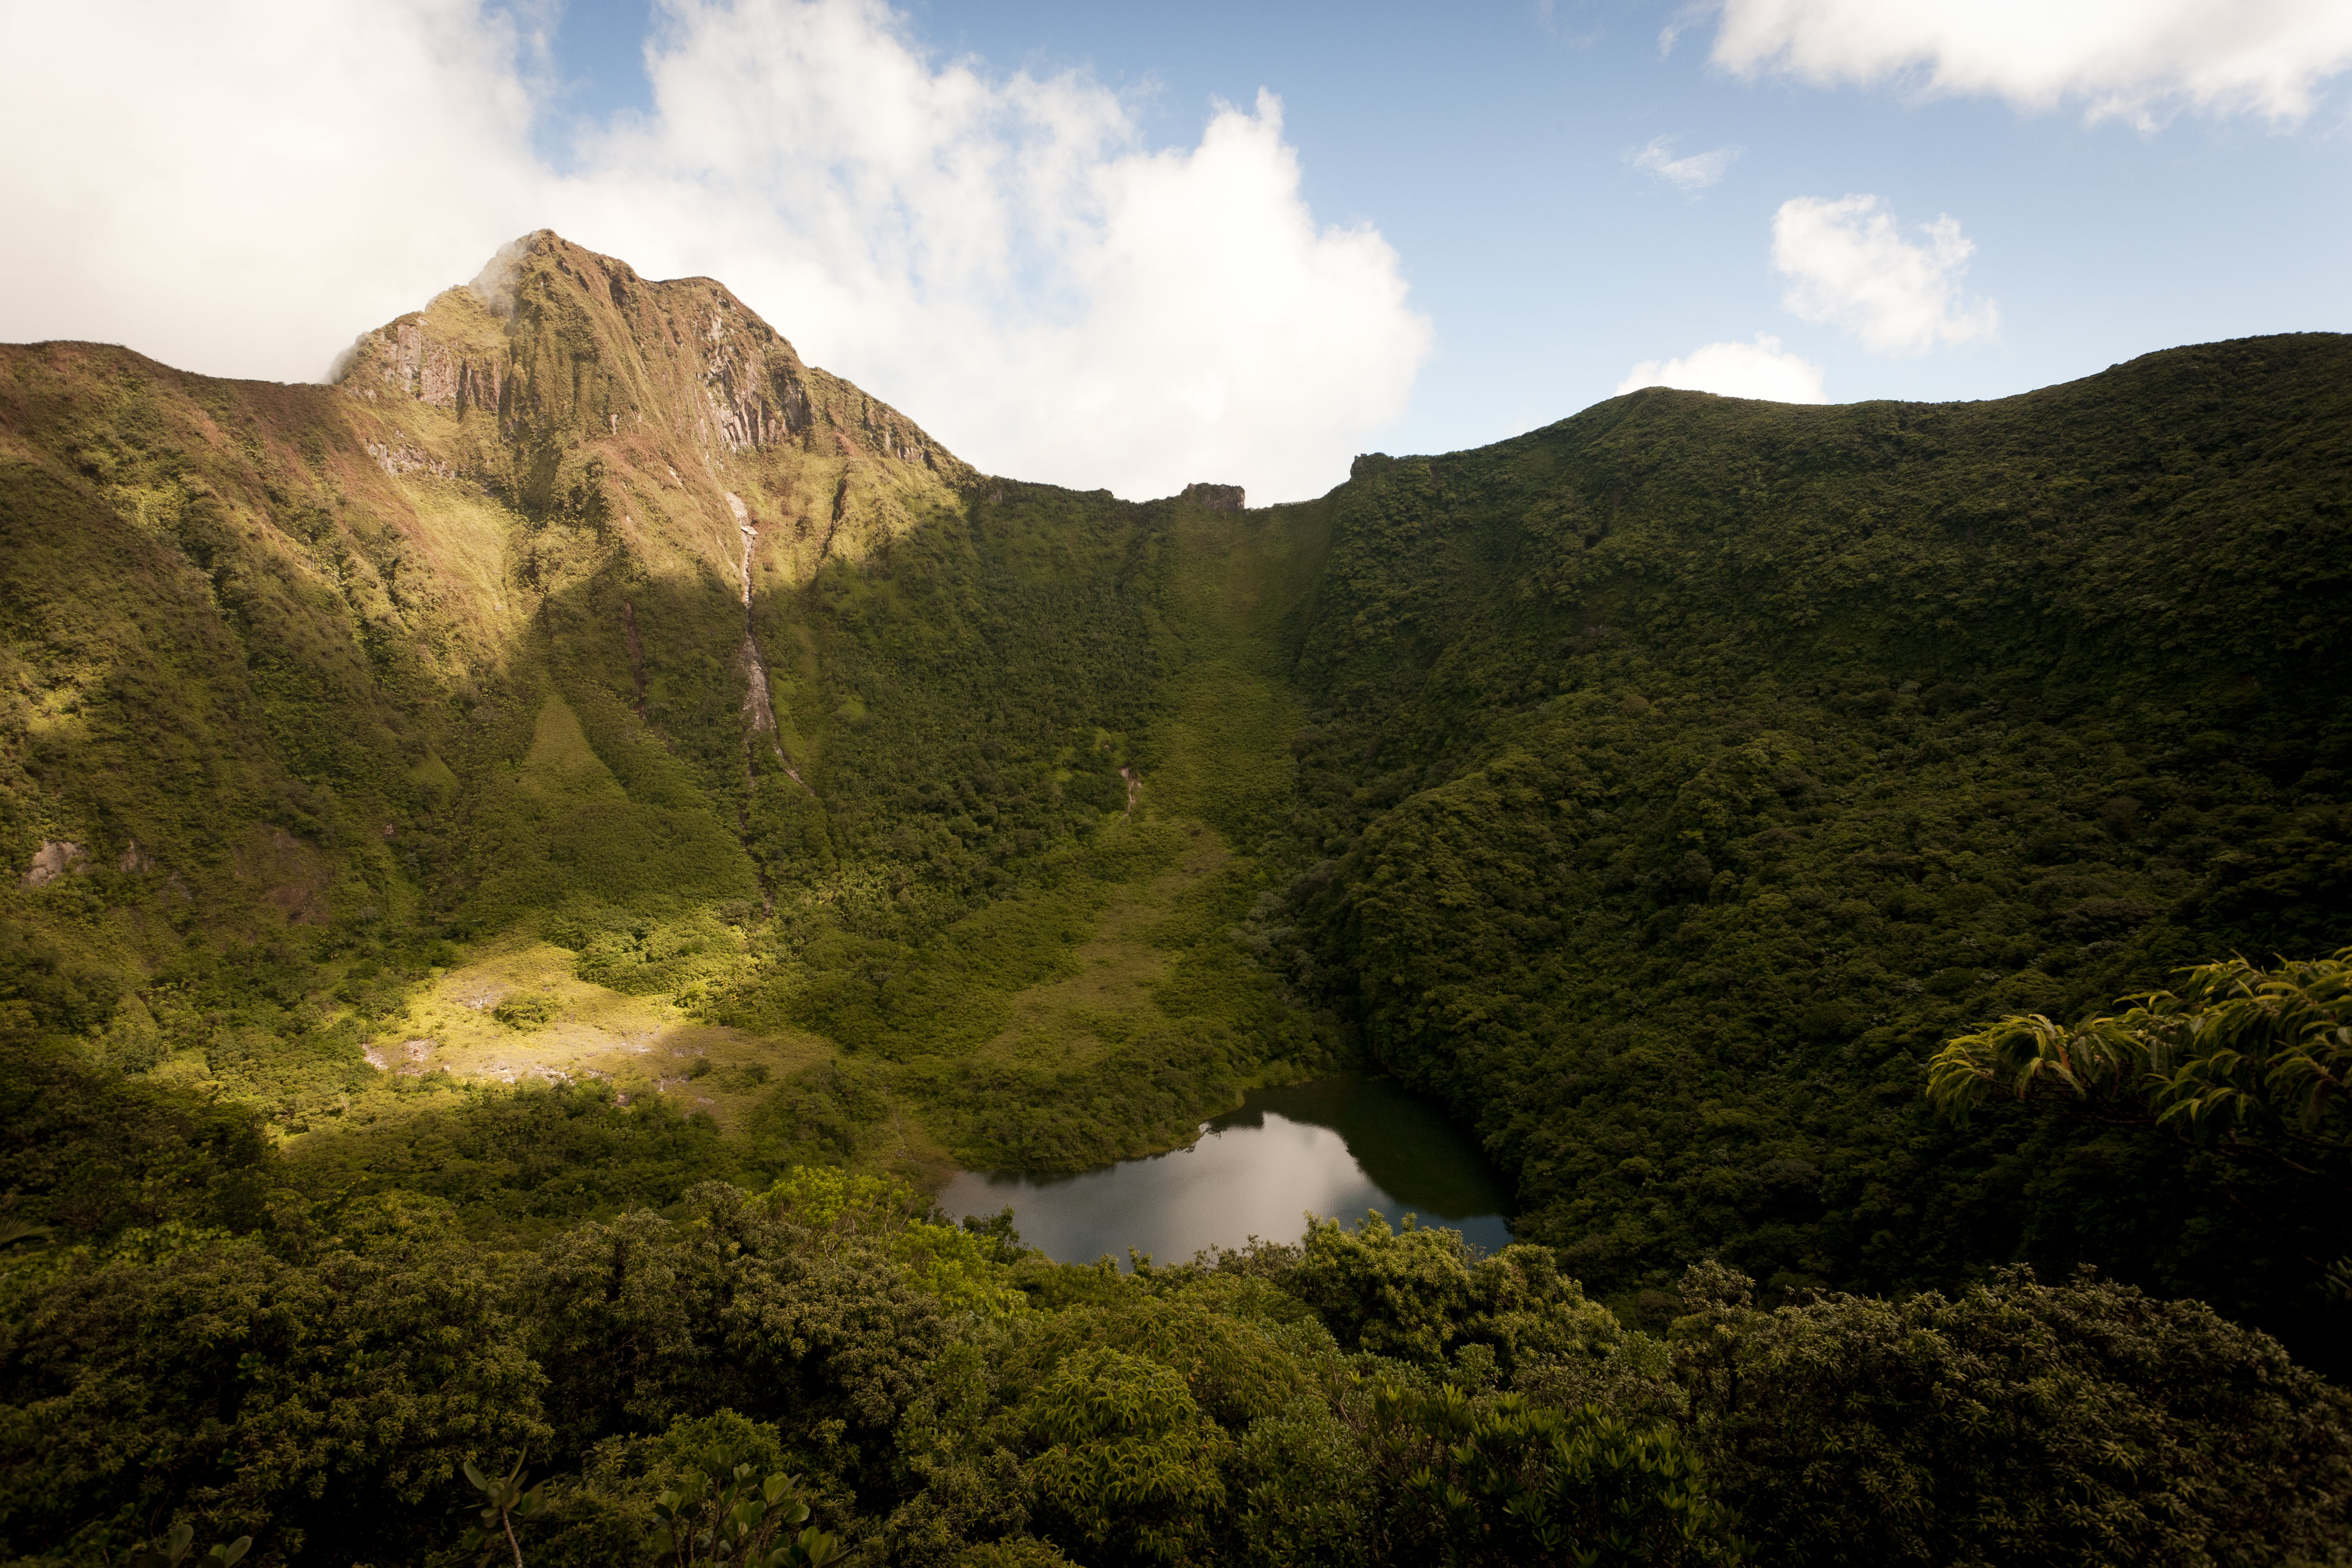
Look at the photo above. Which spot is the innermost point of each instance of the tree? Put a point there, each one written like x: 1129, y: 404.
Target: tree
x: 1130, y: 1466
x: 183, y: 1540
x: 2011, y: 1422
x: 1493, y: 1483
x: 1419, y: 1293
x: 731, y: 1515
x: 314, y: 1401
x: 504, y: 1500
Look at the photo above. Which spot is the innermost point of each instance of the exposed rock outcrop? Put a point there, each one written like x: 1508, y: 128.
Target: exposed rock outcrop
x: 408, y: 358
x: 53, y: 859
x: 402, y: 459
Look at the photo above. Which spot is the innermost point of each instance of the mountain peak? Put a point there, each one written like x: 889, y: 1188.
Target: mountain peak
x: 665, y: 416
x: 555, y: 340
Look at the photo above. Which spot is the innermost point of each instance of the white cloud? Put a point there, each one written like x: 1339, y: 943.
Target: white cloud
x: 240, y: 188
x: 1759, y: 370
x: 2136, y: 60
x: 1848, y: 265
x: 1691, y: 174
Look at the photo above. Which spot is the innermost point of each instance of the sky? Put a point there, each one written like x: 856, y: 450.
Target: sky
x: 1127, y: 245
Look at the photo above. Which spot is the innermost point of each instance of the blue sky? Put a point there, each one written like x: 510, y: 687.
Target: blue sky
x: 1490, y: 145
x: 1133, y: 247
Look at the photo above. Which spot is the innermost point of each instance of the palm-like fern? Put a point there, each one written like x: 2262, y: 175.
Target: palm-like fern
x: 2236, y: 1050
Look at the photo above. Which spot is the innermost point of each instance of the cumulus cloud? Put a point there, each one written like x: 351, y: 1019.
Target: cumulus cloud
x: 1759, y: 370
x: 1849, y: 265
x: 240, y: 188
x: 1690, y: 174
x: 2137, y: 61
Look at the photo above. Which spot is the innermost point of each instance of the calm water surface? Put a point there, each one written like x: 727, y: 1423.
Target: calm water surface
x: 1336, y: 1147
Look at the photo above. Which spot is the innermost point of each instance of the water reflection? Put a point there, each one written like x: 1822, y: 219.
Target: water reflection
x: 1338, y: 1146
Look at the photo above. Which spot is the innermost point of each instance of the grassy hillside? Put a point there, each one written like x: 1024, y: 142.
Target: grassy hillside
x: 584, y: 669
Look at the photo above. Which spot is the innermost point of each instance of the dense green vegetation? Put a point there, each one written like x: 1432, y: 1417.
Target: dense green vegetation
x: 480, y: 871
x: 320, y: 1375
x: 1683, y: 775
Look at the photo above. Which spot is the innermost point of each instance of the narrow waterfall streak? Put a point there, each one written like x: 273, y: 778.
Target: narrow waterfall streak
x: 750, y: 531
x: 756, y: 702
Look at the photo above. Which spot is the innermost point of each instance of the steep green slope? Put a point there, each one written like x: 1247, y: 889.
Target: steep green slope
x: 989, y: 681
x: 466, y: 824
x: 584, y: 688
x: 583, y: 649
x: 1683, y: 775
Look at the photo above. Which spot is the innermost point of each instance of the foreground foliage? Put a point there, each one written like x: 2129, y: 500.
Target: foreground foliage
x: 1515, y: 1482
x: 792, y: 1377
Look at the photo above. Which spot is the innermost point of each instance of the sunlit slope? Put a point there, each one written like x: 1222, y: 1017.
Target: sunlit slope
x: 1682, y: 774
x: 339, y: 613
x: 580, y: 611
x: 307, y: 681
x: 227, y: 671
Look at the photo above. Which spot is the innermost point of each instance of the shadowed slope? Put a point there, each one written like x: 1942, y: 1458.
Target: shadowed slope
x: 1685, y: 772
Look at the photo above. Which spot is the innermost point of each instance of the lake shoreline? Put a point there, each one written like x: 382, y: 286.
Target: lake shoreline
x: 1336, y: 1146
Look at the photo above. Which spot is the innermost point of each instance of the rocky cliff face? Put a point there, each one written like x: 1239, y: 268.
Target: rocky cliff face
x: 1216, y: 498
